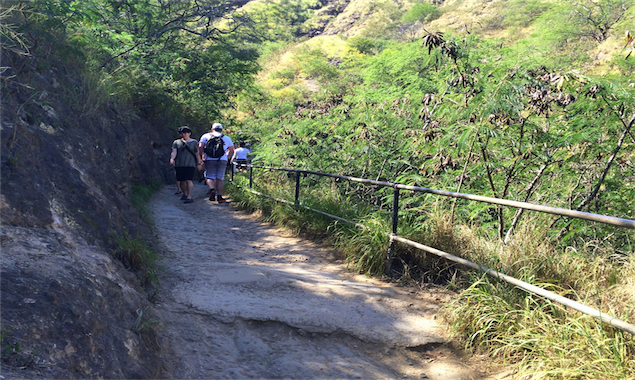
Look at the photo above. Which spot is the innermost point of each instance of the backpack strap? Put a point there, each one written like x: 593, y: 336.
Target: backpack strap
x: 192, y: 153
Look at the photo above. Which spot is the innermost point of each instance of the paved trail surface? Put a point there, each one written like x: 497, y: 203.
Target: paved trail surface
x: 242, y: 299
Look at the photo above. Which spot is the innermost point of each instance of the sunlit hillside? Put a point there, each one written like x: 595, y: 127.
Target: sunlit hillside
x: 553, y: 32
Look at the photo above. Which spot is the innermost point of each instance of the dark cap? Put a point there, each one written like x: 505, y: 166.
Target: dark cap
x: 185, y: 130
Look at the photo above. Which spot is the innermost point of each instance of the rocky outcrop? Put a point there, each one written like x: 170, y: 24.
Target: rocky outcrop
x: 69, y: 310
x: 325, y: 15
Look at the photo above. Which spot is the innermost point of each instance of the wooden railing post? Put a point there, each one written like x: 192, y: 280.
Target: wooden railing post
x: 395, y: 221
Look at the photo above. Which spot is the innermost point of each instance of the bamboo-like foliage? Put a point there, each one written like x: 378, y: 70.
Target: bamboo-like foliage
x: 523, y: 133
x: 458, y: 114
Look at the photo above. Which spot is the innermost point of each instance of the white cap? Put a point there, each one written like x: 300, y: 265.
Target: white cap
x: 217, y: 127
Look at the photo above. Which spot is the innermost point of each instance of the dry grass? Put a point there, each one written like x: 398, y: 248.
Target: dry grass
x: 544, y: 340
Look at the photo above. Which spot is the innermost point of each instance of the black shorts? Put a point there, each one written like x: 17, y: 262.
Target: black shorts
x: 184, y: 173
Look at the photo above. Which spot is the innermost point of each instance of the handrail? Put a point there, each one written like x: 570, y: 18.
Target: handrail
x: 611, y: 220
x: 620, y: 222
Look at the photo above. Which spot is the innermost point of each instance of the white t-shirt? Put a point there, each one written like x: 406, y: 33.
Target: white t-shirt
x: 226, y: 140
x: 241, y: 153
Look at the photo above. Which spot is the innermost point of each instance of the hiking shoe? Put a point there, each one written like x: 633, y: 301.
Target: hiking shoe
x: 220, y: 199
x: 212, y: 195
x: 183, y: 197
x: 188, y: 201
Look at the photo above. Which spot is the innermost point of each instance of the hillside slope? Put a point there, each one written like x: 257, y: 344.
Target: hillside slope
x: 521, y: 100
x: 552, y: 32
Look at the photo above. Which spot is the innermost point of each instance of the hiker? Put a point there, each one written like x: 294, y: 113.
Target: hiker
x: 215, y: 148
x: 240, y: 156
x: 186, y: 159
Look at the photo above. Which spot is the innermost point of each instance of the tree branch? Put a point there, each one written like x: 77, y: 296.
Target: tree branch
x: 529, y: 190
x: 607, y: 167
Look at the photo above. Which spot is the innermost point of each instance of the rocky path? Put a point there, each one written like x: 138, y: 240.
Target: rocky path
x: 241, y: 299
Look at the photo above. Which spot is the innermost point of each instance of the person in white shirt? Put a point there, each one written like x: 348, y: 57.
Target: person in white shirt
x: 241, y: 155
x: 215, y: 166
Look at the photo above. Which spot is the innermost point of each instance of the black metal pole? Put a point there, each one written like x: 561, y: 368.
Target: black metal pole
x: 297, y: 188
x: 395, y: 220
x: 250, y: 176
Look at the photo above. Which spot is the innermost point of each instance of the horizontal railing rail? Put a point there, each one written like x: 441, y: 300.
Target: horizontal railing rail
x: 610, y: 220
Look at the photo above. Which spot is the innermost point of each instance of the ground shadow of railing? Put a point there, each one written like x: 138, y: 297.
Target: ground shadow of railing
x: 610, y: 220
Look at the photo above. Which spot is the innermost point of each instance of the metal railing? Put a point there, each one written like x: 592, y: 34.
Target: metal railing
x: 610, y: 220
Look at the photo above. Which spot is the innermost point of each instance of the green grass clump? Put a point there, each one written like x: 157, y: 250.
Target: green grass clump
x: 140, y: 197
x: 366, y: 250
x: 542, y: 339
x: 137, y: 256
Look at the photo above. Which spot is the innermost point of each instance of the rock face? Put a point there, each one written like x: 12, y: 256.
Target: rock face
x: 69, y: 310
x: 63, y: 163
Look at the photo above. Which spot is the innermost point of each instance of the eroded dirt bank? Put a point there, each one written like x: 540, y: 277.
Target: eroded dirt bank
x: 241, y: 299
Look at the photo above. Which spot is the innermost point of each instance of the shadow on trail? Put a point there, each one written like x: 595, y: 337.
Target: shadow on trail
x: 236, y: 289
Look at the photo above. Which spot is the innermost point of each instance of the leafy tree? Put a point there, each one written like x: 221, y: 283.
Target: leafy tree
x: 156, y: 52
x: 595, y: 19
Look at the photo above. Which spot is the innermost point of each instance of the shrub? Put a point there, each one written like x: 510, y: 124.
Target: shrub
x: 364, y: 45
x: 421, y: 12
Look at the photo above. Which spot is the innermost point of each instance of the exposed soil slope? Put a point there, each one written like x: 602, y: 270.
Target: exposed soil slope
x: 69, y: 309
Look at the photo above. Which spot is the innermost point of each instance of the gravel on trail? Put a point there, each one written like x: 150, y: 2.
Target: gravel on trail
x: 243, y: 299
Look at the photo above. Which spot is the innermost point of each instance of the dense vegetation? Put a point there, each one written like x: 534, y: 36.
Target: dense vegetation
x: 528, y: 116
x: 510, y: 104
x: 177, y: 59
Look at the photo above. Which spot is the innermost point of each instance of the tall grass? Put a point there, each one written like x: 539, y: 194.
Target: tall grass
x: 12, y: 39
x: 544, y: 340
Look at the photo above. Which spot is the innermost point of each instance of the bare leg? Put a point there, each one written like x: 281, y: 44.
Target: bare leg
x: 210, y: 183
x: 220, y: 186
x: 183, y: 185
x: 190, y: 187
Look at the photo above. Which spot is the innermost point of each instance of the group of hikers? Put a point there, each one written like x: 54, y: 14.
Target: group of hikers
x: 212, y: 154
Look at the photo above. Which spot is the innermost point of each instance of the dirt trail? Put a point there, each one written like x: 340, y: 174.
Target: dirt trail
x: 242, y: 299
